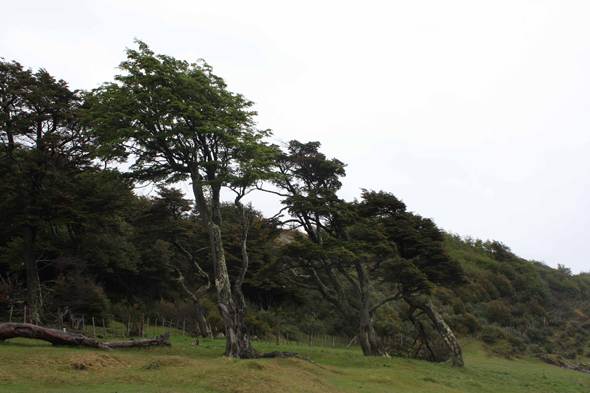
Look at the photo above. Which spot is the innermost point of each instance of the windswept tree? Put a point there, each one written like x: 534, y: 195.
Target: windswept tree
x: 361, y: 255
x: 179, y: 122
x: 338, y: 252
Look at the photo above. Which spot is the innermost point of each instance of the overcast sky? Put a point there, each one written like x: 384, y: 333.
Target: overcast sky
x: 474, y: 113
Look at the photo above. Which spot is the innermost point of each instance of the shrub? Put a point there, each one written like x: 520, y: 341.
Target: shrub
x: 569, y: 354
x: 499, y: 312
x: 536, y: 349
x: 490, y: 335
x: 537, y: 336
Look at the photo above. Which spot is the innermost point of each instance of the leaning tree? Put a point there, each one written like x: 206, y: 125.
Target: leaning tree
x: 179, y: 122
x: 361, y: 255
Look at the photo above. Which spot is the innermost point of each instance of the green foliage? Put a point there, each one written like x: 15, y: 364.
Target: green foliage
x: 81, y: 295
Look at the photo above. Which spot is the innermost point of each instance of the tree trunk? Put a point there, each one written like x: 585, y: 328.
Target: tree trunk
x: 441, y: 327
x: 151, y: 342
x: 201, y: 321
x: 58, y: 337
x: 34, y: 299
x: 422, y: 337
x: 237, y: 338
x: 370, y: 342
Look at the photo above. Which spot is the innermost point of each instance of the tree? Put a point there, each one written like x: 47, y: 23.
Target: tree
x: 179, y: 122
x: 41, y: 149
x: 339, y: 251
x: 361, y: 255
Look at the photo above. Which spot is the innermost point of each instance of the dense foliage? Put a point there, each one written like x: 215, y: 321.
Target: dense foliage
x: 77, y: 242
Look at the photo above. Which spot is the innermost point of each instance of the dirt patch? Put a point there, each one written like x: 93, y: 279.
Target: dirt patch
x: 95, y: 361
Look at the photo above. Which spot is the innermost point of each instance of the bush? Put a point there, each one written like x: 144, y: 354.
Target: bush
x: 568, y: 354
x: 499, y: 312
x: 536, y: 349
x: 537, y: 336
x: 490, y: 335
x: 517, y: 343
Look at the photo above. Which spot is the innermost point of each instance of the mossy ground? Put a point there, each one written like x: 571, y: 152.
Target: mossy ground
x: 30, y: 365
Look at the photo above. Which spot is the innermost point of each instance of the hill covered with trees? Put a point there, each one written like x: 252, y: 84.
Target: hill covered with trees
x: 77, y: 243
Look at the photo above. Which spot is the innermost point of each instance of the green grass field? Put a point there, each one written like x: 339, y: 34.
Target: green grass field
x: 31, y: 365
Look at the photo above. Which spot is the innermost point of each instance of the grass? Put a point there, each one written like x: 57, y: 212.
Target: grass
x: 36, y: 366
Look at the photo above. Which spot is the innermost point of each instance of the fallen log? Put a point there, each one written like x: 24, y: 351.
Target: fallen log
x: 58, y: 337
x: 151, y: 342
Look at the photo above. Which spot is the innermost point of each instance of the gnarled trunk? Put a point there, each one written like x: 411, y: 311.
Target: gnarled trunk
x: 237, y: 338
x: 441, y: 327
x: 370, y: 342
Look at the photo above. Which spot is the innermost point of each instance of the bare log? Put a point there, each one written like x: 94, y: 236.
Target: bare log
x: 151, y: 342
x: 58, y: 337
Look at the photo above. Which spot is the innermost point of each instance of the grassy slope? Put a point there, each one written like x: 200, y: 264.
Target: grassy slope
x: 29, y: 365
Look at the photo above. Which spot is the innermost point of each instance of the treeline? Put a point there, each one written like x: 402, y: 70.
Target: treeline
x: 75, y: 240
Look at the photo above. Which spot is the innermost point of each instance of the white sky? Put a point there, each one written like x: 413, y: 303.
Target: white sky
x: 475, y: 113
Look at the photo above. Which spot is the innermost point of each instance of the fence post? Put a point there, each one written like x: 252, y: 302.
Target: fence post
x: 311, y: 338
x: 104, y: 328
x: 93, y: 329
x: 10, y: 318
x: 25, y: 315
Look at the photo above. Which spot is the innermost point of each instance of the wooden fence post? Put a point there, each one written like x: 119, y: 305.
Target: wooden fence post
x: 104, y: 328
x: 93, y: 329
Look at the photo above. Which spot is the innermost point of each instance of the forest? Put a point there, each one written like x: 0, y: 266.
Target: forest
x: 78, y: 243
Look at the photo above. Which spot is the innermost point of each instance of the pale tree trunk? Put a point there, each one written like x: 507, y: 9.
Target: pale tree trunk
x: 237, y: 339
x: 240, y: 310
x: 441, y: 327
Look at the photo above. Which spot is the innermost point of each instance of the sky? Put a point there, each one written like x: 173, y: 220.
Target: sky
x: 475, y: 113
